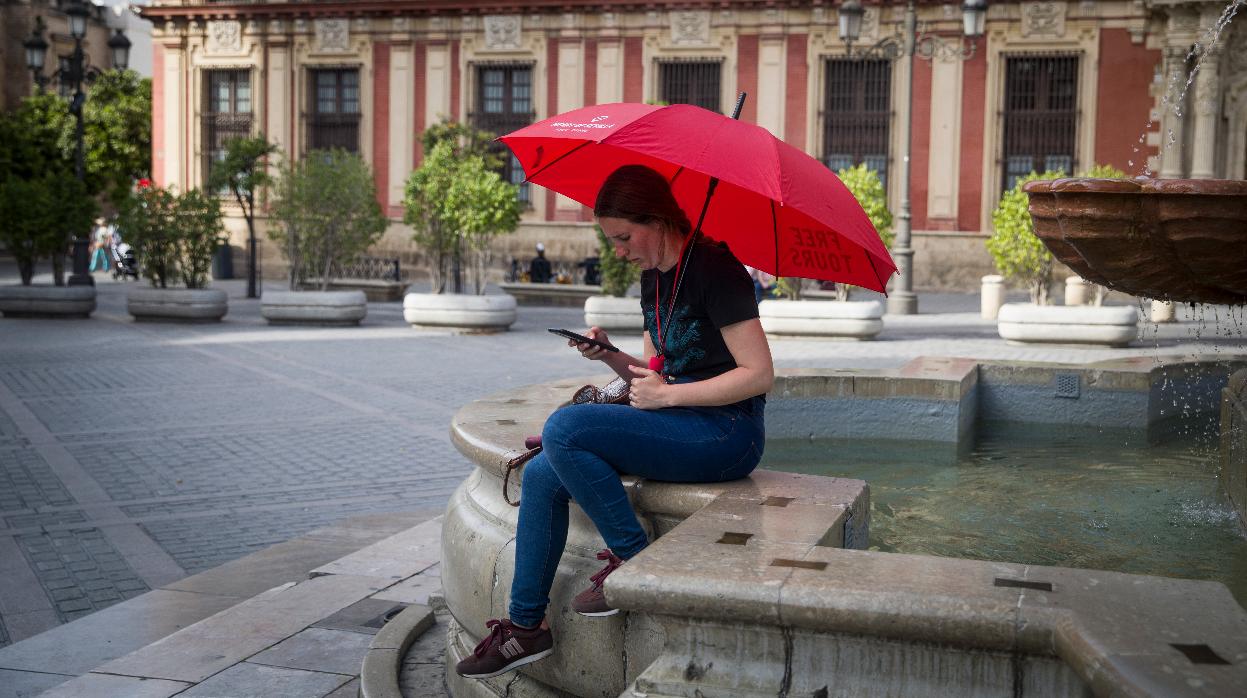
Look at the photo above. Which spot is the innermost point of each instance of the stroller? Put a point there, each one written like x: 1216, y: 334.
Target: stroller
x: 124, y: 263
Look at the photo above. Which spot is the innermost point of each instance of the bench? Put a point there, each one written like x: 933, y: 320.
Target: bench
x: 380, y: 278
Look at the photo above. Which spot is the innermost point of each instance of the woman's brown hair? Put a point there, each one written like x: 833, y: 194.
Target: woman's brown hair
x: 639, y: 194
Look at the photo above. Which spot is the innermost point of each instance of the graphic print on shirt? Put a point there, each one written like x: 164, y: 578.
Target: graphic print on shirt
x: 683, y: 339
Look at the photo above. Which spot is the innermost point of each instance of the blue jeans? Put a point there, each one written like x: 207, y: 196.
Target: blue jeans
x: 587, y: 447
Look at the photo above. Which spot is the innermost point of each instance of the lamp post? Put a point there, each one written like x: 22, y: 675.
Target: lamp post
x: 908, y: 43
x: 73, y: 72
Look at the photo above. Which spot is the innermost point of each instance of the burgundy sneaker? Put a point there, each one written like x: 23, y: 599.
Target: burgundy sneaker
x: 592, y: 601
x: 507, y: 647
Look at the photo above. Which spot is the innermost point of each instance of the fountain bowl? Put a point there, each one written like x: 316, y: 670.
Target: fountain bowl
x: 1168, y: 239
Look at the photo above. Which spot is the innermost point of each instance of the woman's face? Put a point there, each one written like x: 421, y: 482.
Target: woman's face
x: 641, y: 244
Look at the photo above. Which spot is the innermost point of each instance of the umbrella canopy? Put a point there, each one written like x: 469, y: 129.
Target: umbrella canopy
x: 777, y: 208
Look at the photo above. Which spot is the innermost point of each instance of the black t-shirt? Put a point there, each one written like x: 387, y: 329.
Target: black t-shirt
x: 716, y: 292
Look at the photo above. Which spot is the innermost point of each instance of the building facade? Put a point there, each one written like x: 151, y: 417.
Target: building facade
x: 1057, y: 85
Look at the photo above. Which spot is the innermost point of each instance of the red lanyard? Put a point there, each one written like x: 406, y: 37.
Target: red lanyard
x: 657, y: 362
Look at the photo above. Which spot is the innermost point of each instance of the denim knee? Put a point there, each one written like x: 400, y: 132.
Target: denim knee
x: 539, y: 478
x: 562, y: 426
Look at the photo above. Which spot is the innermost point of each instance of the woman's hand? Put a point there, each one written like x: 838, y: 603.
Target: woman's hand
x: 592, y: 351
x: 649, y: 390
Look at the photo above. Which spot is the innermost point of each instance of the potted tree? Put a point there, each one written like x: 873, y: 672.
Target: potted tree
x: 457, y: 205
x: 793, y: 315
x: 612, y: 311
x: 327, y: 212
x: 243, y: 172
x: 41, y: 203
x: 174, y: 238
x: 1021, y: 256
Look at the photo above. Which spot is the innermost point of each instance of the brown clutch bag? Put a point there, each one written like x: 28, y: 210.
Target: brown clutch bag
x: 613, y: 393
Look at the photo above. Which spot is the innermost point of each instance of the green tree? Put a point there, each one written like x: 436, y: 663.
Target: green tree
x: 618, y: 274
x: 117, y: 133
x: 868, y: 189
x: 455, y: 198
x: 148, y: 221
x: 1016, y: 251
x: 244, y: 172
x: 327, y: 206
x: 465, y: 140
x: 197, y: 217
x: 42, y: 203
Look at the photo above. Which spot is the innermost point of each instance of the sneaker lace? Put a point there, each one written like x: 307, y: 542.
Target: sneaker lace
x: 613, y: 563
x: 498, y: 628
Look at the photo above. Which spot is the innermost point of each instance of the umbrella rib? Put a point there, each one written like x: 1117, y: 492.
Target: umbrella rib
x: 529, y: 178
x: 882, y: 282
x: 775, y: 232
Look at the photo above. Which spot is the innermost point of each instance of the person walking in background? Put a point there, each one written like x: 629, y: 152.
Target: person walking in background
x: 539, y: 268
x: 101, y: 239
x: 763, y: 283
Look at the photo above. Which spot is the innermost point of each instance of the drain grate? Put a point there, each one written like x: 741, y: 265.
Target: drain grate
x: 1199, y: 654
x: 1067, y: 385
x: 730, y: 538
x: 1022, y: 584
x: 803, y: 564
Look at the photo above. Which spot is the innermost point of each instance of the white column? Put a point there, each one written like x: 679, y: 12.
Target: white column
x: 436, y: 84
x: 943, y: 166
x: 1207, y: 101
x: 279, y: 129
x: 1170, y: 121
x: 402, y: 120
x: 610, y: 70
x: 175, y: 143
x: 772, y: 82
x: 571, y: 95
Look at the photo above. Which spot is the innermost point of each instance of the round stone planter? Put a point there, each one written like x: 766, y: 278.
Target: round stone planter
x: 614, y: 314
x: 177, y: 304
x: 822, y: 319
x: 460, y: 311
x: 332, y: 308
x: 1108, y: 325
x: 47, y: 301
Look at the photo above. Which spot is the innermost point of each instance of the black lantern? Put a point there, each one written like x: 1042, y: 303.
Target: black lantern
x: 851, y: 21
x: 36, y: 48
x: 120, y: 47
x: 973, y: 17
x: 77, y: 13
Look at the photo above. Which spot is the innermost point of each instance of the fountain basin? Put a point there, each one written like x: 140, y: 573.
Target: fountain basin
x: 1169, y: 239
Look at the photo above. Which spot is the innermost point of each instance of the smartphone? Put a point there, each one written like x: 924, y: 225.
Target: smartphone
x: 581, y: 339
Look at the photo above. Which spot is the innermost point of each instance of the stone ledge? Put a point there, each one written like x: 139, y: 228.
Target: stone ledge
x: 333, y: 308
x: 47, y: 301
x: 561, y: 295
x: 177, y: 304
x: 379, y: 676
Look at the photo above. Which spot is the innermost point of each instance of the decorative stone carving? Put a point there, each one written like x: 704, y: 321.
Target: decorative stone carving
x: 276, y: 26
x: 1208, y: 85
x: 224, y: 36
x: 690, y: 28
x: 1043, y: 19
x: 469, y: 22
x: 870, y: 23
x: 610, y: 19
x: 502, y: 32
x: 333, y: 35
x: 569, y: 20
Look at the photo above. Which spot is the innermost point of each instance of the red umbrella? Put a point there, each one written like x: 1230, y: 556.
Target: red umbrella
x: 777, y: 208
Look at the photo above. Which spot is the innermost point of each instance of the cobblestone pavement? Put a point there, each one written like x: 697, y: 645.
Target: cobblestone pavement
x: 134, y: 454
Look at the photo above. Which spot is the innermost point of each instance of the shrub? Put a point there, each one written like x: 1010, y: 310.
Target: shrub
x: 197, y: 217
x: 327, y: 206
x: 618, y: 274
x: 148, y: 222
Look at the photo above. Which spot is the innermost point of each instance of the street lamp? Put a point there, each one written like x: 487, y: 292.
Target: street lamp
x: 71, y: 74
x: 909, y: 43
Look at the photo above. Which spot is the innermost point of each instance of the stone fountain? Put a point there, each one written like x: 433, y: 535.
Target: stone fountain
x: 1169, y: 239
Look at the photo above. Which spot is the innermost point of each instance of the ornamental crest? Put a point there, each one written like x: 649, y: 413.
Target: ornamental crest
x: 332, y: 35
x: 502, y: 32
x: 690, y: 28
x: 1043, y: 19
x: 224, y: 36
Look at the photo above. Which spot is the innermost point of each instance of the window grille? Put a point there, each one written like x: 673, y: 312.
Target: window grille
x: 504, y: 103
x: 1040, y: 116
x: 690, y: 82
x: 334, y: 121
x: 856, y: 114
x: 226, y: 114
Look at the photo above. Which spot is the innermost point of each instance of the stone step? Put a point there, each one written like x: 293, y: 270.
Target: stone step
x: 260, y: 625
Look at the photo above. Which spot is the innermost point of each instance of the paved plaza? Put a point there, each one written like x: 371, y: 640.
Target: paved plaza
x: 135, y: 454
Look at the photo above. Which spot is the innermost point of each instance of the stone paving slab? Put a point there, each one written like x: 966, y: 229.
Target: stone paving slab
x: 396, y: 558
x: 113, y: 632
x: 218, y: 642
x: 318, y: 649
x: 24, y: 684
x: 109, y: 686
x: 248, y: 680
